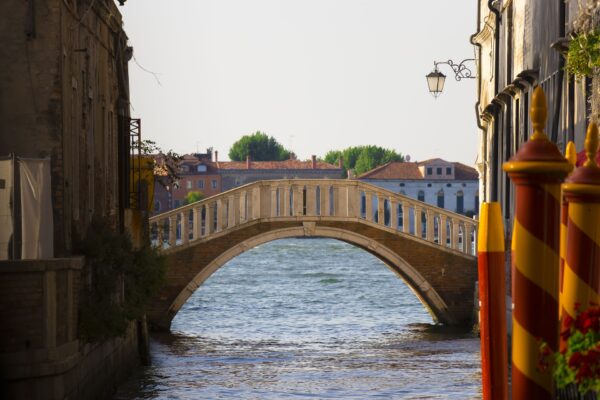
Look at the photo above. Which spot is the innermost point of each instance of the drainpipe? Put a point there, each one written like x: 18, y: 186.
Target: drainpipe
x: 560, y: 76
x: 496, y: 12
x: 478, y: 103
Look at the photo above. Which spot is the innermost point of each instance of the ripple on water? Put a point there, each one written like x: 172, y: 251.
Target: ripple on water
x: 298, y: 319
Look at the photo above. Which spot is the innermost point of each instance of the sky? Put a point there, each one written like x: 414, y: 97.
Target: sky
x: 317, y: 75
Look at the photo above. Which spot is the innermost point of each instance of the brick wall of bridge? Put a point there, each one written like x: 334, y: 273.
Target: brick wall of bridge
x: 451, y: 274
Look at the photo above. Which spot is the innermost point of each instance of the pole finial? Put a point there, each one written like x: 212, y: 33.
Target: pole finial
x: 571, y: 153
x: 538, y: 114
x: 591, y: 146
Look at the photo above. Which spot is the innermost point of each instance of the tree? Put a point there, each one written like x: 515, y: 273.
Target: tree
x: 166, y: 164
x: 192, y: 197
x: 259, y: 147
x: 363, y: 158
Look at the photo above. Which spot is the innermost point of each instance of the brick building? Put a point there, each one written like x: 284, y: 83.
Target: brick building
x: 237, y: 173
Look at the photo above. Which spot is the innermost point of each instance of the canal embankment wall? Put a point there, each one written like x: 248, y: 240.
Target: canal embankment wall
x: 41, y: 356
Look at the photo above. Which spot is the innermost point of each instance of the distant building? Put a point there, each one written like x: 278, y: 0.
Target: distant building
x: 449, y: 185
x: 197, y: 172
x: 237, y: 173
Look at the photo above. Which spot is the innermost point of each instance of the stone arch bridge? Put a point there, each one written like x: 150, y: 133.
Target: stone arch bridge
x: 431, y: 249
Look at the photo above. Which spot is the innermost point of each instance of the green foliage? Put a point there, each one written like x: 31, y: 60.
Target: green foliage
x: 259, y: 147
x: 578, y: 364
x: 583, y: 54
x: 118, y: 281
x: 193, y: 196
x: 363, y: 158
x: 166, y: 162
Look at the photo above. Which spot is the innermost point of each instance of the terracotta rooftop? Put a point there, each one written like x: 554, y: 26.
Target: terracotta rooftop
x: 410, y: 170
x: 265, y: 165
x: 394, y: 170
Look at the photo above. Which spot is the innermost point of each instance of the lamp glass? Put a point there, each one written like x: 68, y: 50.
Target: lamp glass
x: 435, y: 81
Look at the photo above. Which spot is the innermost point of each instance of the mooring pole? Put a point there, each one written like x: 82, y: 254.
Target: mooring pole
x: 537, y: 170
x: 492, y: 299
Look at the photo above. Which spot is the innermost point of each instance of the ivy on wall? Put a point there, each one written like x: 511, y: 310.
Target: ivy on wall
x: 118, y: 281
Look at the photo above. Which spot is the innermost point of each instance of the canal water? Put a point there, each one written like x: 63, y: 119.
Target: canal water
x: 307, y: 319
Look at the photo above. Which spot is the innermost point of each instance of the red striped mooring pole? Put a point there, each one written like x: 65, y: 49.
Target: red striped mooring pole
x: 571, y: 156
x: 492, y: 299
x: 537, y: 170
x: 581, y: 277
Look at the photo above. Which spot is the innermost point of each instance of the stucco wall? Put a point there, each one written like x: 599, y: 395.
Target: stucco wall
x: 470, y: 190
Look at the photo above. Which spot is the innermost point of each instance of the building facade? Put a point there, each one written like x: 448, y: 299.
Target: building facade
x: 449, y: 185
x: 64, y: 96
x: 238, y: 173
x: 520, y: 44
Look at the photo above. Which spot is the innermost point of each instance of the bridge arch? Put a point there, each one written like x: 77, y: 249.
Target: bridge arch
x: 428, y: 296
x: 433, y: 254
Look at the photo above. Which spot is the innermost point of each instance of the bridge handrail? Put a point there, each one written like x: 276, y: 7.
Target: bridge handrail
x: 310, y: 198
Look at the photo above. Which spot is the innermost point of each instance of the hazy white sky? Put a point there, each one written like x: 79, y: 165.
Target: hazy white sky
x: 315, y: 74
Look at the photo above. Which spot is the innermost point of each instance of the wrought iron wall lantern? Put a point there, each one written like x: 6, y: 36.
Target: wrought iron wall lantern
x: 436, y: 79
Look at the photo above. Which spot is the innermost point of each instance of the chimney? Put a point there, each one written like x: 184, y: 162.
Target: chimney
x: 216, y: 156
x: 314, y: 162
x: 341, y: 162
x: 248, y: 162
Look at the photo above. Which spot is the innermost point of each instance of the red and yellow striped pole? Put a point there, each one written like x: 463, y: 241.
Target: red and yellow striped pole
x: 581, y: 279
x: 492, y: 298
x: 537, y: 170
x: 571, y: 156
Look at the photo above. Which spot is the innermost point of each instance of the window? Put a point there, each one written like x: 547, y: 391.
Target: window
x: 460, y: 202
x: 402, y: 185
x: 448, y: 170
x: 429, y: 171
x: 440, y: 199
x: 189, y: 184
x: 176, y: 203
x: 156, y: 206
x: 429, y: 185
x: 201, y: 168
x: 201, y: 184
x: 438, y: 170
x: 185, y: 168
x: 421, y: 195
x: 214, y: 184
x: 448, y: 185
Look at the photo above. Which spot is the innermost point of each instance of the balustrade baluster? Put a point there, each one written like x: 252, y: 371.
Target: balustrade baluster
x: 467, y: 239
x: 368, y: 206
x: 196, y: 221
x: 287, y: 199
x: 185, y: 229
x: 380, y: 210
x: 311, y: 200
x: 160, y: 226
x: 274, y: 204
x: 210, y: 218
x: 256, y: 203
x: 353, y: 200
x: 455, y: 227
x: 298, y: 200
x: 325, y: 200
x: 405, y: 217
x: 418, y: 222
x: 231, y: 212
x: 172, y: 230
x: 393, y: 214
x: 442, y: 230
x: 430, y: 226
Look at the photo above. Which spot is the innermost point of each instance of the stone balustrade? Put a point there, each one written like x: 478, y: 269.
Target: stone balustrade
x: 314, y: 200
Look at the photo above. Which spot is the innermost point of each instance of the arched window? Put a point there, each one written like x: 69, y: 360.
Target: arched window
x: 440, y: 198
x: 460, y: 202
x: 421, y: 195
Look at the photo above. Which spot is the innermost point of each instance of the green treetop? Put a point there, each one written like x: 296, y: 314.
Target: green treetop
x: 259, y: 147
x: 363, y: 158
